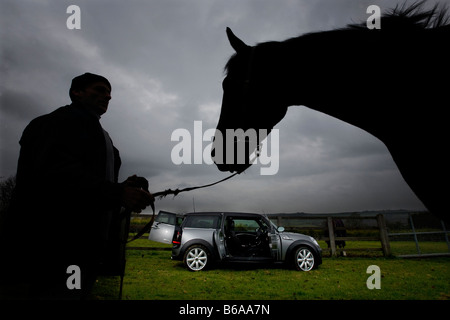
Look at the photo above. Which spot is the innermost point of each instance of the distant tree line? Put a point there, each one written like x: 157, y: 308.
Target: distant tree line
x: 6, y: 189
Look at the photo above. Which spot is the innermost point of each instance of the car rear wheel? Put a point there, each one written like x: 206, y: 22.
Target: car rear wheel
x: 304, y: 259
x: 196, y: 258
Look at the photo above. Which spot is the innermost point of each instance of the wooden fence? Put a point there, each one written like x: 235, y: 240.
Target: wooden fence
x: 333, y: 230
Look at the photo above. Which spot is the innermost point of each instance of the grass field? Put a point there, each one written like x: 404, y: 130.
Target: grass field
x: 151, y: 275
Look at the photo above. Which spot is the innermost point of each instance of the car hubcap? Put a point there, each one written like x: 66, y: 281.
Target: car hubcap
x: 305, y: 259
x: 196, y: 259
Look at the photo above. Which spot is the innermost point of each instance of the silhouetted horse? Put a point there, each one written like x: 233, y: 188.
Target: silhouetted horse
x: 392, y: 82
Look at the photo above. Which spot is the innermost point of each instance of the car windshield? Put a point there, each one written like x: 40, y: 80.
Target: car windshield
x: 273, y: 225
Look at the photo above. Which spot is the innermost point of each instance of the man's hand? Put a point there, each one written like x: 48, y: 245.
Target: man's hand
x: 135, y: 194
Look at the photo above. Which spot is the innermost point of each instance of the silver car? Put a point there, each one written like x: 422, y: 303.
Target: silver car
x: 210, y: 237
x: 164, y: 226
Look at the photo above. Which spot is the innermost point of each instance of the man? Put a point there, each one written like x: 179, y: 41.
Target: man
x: 67, y: 200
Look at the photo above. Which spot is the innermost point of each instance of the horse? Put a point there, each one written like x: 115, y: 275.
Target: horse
x: 390, y: 82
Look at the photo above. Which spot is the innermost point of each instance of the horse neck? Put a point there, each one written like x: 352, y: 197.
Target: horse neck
x: 326, y: 72
x: 338, y: 73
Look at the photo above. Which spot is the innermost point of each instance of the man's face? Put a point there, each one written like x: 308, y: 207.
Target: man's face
x: 96, y: 97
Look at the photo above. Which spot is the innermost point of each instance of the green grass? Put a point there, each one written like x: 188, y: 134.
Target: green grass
x: 151, y: 275
x: 397, y: 247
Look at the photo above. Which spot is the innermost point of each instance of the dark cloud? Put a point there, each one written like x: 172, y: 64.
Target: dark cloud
x: 164, y: 59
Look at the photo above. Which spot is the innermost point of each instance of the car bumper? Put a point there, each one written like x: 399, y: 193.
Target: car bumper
x: 176, y: 254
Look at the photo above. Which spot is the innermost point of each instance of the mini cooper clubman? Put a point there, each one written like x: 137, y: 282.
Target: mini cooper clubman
x: 203, y: 239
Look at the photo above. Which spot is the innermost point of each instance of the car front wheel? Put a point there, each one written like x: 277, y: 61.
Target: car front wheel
x: 196, y: 258
x: 304, y: 259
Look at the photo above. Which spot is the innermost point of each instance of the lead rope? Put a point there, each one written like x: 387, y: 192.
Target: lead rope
x: 163, y: 194
x: 147, y: 227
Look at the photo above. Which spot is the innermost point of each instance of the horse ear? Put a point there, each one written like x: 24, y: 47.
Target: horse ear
x: 235, y: 42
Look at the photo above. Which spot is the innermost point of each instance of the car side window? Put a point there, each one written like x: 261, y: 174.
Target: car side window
x: 245, y: 225
x: 166, y: 218
x: 203, y: 222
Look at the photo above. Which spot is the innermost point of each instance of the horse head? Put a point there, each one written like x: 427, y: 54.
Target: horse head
x: 251, y: 106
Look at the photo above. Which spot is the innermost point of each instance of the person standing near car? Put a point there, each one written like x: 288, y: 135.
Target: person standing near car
x: 66, y: 198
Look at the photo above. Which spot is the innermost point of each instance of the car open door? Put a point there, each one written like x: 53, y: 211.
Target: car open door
x: 275, y: 241
x: 163, y: 227
x: 219, y: 239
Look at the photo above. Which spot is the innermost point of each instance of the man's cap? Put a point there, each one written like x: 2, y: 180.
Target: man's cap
x: 83, y: 81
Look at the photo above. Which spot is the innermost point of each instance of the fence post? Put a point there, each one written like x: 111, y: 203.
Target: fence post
x: 414, y: 233
x: 383, y: 235
x: 445, y: 234
x: 331, y: 236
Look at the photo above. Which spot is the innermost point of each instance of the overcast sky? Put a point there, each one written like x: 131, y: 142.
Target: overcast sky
x: 165, y: 59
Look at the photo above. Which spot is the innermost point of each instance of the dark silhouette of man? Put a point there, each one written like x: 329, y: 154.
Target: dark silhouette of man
x: 67, y: 198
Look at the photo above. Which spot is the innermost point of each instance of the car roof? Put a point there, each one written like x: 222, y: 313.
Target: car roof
x: 234, y: 214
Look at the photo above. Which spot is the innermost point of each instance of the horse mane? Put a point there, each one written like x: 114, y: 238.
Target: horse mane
x: 402, y: 18
x: 411, y: 17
